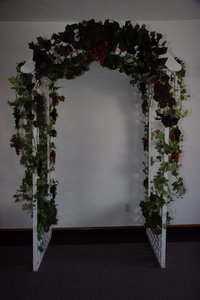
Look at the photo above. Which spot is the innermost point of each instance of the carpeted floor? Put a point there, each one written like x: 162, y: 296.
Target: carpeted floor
x: 123, y: 271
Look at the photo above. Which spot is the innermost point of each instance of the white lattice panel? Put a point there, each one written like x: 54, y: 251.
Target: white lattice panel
x: 43, y: 243
x: 158, y: 243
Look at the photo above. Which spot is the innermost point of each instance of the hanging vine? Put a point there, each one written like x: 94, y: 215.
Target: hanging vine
x: 132, y: 50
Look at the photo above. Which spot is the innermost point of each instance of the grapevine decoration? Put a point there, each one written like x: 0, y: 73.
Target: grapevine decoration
x: 130, y: 49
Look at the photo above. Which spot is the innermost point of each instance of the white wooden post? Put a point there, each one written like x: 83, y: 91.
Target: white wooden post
x: 35, y: 206
x: 38, y: 254
x: 158, y: 242
x: 149, y: 147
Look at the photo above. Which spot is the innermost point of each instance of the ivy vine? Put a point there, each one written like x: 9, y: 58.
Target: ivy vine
x: 130, y: 49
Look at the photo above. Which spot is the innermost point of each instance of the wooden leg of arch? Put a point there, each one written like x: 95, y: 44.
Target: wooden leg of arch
x: 39, y: 245
x: 158, y: 242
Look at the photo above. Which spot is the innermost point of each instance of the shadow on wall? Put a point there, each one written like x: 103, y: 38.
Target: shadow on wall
x: 99, y: 150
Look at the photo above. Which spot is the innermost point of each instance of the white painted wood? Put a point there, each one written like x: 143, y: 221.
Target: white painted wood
x: 46, y: 236
x: 28, y: 67
x: 158, y: 242
x: 172, y: 64
x: 35, y: 208
x: 164, y: 209
x: 149, y: 147
x: 38, y: 255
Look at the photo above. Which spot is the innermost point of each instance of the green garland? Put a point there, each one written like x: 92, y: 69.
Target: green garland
x: 132, y: 50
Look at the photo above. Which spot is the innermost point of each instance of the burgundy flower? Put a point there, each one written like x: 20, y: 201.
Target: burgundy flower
x: 16, y: 142
x: 52, y: 156
x: 17, y: 117
x: 145, y: 143
x: 175, y: 156
x: 53, y: 133
x: 154, y: 80
x: 175, y: 134
x: 172, y: 137
x: 44, y: 43
x: 64, y: 50
x: 54, y: 114
x: 55, y: 100
x: 171, y: 102
x: 100, y: 52
x: 53, y: 191
x: 145, y: 106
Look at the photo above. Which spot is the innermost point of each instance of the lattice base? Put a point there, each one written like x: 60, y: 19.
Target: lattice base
x: 43, y: 244
x: 158, y: 243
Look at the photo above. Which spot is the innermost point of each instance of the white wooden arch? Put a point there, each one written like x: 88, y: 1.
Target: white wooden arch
x: 158, y: 242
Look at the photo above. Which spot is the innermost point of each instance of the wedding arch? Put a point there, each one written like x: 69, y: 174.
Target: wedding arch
x: 130, y: 49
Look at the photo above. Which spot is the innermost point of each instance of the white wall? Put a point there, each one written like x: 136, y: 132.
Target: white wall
x: 98, y: 145
x: 100, y: 152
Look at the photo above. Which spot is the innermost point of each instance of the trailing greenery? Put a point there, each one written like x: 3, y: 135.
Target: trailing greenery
x: 29, y: 110
x: 130, y: 49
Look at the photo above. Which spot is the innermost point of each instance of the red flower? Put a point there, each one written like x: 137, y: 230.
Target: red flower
x: 175, y: 156
x: 52, y: 156
x: 100, y: 52
x: 173, y: 137
x: 145, y: 143
x: 16, y: 142
x: 64, y: 50
x: 171, y: 102
x: 154, y: 80
x: 55, y: 100
x: 175, y: 134
x: 145, y: 106
x: 44, y: 43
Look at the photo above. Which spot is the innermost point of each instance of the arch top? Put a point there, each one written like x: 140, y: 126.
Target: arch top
x: 102, y: 40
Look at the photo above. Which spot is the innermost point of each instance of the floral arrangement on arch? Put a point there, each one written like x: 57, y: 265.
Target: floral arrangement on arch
x: 130, y: 49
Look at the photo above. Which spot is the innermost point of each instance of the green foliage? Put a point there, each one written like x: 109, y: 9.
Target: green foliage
x: 151, y: 212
